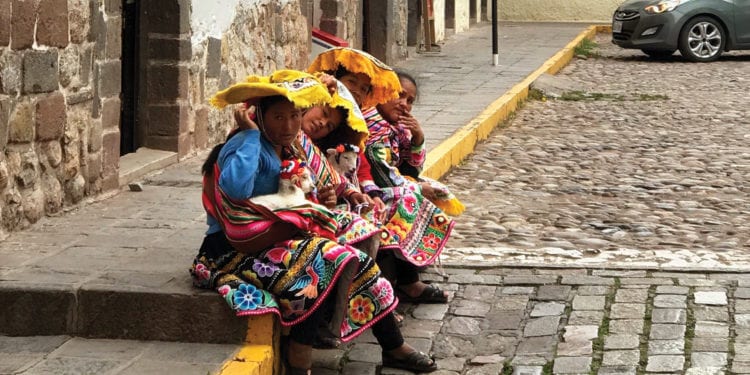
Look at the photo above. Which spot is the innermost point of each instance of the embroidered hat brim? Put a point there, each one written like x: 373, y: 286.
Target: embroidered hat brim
x: 300, y: 88
x: 385, y: 83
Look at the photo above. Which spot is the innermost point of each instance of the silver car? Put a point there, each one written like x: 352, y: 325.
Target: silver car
x: 700, y: 29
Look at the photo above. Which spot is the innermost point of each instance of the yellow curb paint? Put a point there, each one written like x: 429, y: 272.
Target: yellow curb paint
x: 250, y: 360
x: 458, y: 146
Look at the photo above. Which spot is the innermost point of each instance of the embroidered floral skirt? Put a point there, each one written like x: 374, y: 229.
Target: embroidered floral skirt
x: 416, y: 229
x: 291, y: 280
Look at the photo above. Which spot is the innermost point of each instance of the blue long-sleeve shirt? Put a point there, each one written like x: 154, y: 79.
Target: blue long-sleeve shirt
x: 249, y: 167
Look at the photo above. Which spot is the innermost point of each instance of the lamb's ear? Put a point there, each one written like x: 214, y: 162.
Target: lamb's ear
x: 294, y: 179
x: 330, y: 152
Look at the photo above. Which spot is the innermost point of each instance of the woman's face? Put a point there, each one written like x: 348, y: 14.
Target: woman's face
x: 358, y: 84
x: 394, y: 109
x: 282, y: 122
x: 320, y: 120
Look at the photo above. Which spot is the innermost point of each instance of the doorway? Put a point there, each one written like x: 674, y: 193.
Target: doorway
x: 130, y: 75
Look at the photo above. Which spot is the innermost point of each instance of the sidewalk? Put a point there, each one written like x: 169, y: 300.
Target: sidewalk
x: 117, y: 269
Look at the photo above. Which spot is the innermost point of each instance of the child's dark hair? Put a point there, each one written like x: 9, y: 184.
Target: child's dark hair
x: 213, y: 156
x: 340, y: 72
x: 404, y: 75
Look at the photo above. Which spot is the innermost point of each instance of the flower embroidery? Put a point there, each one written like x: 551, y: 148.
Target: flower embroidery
x: 431, y: 241
x: 263, y: 269
x: 202, y: 272
x: 247, y: 297
x: 361, y: 309
x: 224, y: 290
x: 410, y: 204
x: 383, y: 291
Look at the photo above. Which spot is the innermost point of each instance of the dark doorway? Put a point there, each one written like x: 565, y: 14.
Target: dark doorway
x: 366, y: 25
x: 129, y: 97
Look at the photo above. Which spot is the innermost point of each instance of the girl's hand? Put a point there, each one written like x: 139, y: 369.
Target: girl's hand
x: 327, y: 196
x: 409, y: 122
x: 380, y: 214
x: 361, y: 203
x: 243, y: 117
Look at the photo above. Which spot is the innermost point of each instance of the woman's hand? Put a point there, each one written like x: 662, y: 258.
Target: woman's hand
x: 243, y: 117
x: 327, y: 196
x: 428, y: 191
x: 409, y: 122
x: 362, y: 203
x: 329, y: 81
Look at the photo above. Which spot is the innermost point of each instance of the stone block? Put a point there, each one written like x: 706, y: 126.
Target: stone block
x: 711, y: 329
x: 718, y: 344
x: 586, y: 317
x: 11, y: 73
x: 93, y: 167
x: 108, y: 78
x: 665, y: 363
x: 95, y: 136
x: 22, y: 23
x: 581, y: 333
x: 631, y: 295
x: 667, y: 331
x: 111, y: 152
x: 6, y: 105
x: 547, y: 309
x: 543, y: 326
x: 40, y: 71
x: 201, y: 128
x: 166, y: 83
x: 167, y: 17
x: 575, y: 349
x: 542, y: 346
x: 111, y: 113
x: 175, y: 49
x: 572, y: 365
x: 50, y: 117
x: 670, y: 301
x: 626, y: 326
x: 52, y: 24
x: 627, y: 311
x: 553, y: 292
x: 213, y: 59
x: 592, y: 290
x: 21, y: 124
x: 670, y: 289
x: 711, y: 313
x: 33, y: 311
x: 5, y: 22
x: 656, y: 347
x: 588, y: 303
x: 620, y: 358
x: 113, y: 8
x: 711, y: 298
x: 669, y: 316
x: 709, y: 359
x: 98, y: 31
x: 168, y: 120
x: 621, y: 341
x: 113, y: 46
x: 79, y: 13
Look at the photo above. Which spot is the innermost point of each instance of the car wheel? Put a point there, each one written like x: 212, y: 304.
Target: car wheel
x: 658, y: 54
x: 702, y: 39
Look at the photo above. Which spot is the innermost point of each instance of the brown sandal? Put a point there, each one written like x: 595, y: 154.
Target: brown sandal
x: 415, y: 361
x: 430, y: 294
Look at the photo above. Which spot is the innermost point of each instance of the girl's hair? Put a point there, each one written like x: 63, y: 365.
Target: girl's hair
x: 404, y: 75
x: 341, y: 134
x: 213, y: 156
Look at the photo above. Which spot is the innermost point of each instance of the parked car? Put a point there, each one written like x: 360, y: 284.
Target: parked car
x: 700, y: 29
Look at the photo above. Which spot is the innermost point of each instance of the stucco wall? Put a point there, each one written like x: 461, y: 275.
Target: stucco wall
x: 557, y: 10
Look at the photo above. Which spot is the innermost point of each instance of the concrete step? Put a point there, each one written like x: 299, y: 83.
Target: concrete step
x: 75, y: 355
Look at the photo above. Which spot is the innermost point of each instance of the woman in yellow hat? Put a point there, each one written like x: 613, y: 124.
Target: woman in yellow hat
x: 284, y: 261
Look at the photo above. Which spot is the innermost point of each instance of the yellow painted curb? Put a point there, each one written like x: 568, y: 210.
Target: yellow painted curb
x: 461, y: 144
x: 257, y: 355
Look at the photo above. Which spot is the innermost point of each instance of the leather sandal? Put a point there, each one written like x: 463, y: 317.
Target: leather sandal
x: 430, y: 294
x: 415, y: 361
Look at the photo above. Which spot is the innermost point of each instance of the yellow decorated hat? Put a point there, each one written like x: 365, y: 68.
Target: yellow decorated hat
x: 384, y: 81
x: 300, y: 88
x: 355, y: 121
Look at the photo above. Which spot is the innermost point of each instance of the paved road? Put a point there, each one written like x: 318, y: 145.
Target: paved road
x: 652, y: 168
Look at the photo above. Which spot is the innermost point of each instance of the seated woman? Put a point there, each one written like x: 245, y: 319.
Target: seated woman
x: 283, y: 262
x: 413, y: 225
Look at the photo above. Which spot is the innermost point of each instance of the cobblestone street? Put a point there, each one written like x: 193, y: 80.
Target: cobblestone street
x: 644, y: 163
x: 634, y: 183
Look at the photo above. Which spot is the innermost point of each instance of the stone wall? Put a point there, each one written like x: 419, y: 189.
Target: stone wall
x: 263, y: 37
x: 342, y: 18
x: 59, y: 112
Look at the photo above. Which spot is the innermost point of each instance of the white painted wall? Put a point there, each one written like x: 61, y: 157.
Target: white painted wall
x: 557, y: 10
x: 212, y: 18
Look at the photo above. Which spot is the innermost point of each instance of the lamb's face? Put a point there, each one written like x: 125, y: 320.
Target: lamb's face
x: 305, y: 181
x: 348, y: 162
